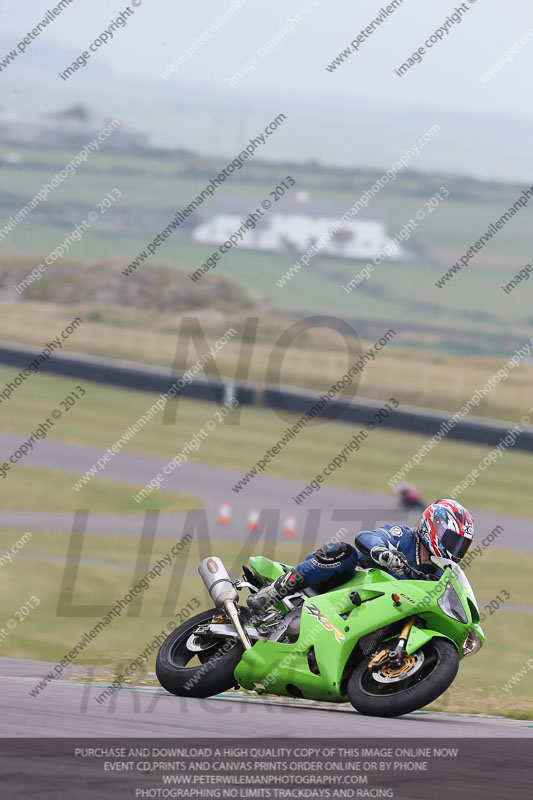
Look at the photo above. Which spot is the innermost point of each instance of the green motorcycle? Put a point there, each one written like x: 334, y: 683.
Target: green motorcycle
x: 385, y: 645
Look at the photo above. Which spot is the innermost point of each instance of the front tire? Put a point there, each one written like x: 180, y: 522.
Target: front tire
x: 437, y: 673
x: 214, y: 673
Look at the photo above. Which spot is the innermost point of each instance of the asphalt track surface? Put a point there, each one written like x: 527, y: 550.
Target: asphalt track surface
x: 337, y: 507
x: 67, y: 708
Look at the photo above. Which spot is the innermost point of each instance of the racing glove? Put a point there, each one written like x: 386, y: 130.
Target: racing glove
x: 390, y: 559
x: 285, y: 585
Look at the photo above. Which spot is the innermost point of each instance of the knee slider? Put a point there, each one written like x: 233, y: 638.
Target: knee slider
x: 332, y: 554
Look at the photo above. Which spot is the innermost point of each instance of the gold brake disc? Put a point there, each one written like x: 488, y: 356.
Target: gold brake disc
x: 389, y: 673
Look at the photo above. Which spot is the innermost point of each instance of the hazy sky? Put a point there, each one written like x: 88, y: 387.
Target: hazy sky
x: 360, y: 114
x: 448, y: 76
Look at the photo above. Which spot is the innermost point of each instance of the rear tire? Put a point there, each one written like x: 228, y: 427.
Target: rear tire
x: 441, y: 662
x: 212, y: 676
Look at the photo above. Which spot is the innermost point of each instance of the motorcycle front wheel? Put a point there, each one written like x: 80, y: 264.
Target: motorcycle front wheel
x: 376, y: 692
x: 198, y: 666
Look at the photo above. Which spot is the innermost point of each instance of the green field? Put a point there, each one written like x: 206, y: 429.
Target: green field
x: 34, y: 489
x: 404, y: 294
x: 105, y: 412
x: 451, y: 318
x: 106, y: 574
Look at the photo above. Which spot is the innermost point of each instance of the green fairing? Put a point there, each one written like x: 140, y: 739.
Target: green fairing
x: 280, y: 668
x: 266, y: 569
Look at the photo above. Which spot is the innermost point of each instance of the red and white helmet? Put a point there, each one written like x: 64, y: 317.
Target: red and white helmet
x: 447, y: 529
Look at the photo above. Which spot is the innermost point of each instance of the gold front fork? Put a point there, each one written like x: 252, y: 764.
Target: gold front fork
x: 406, y: 630
x: 399, y: 650
x: 382, y: 655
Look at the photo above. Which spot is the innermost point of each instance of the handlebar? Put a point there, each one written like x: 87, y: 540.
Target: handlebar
x: 417, y: 573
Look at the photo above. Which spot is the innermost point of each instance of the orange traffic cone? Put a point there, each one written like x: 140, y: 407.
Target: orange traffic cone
x: 253, y: 517
x: 224, y: 514
x: 289, y: 527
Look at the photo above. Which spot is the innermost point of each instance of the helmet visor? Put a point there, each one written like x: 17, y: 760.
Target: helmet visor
x: 456, y: 544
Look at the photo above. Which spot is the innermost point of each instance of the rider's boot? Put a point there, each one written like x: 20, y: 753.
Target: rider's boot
x: 287, y: 584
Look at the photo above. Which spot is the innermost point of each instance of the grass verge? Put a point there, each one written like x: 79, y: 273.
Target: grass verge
x: 48, y: 490
x: 316, y: 358
x: 106, y: 412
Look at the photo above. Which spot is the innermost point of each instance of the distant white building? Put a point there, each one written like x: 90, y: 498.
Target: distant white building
x: 297, y: 225
x: 74, y: 126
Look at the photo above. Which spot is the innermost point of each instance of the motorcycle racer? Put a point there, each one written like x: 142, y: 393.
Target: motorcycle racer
x: 445, y: 529
x: 409, y: 496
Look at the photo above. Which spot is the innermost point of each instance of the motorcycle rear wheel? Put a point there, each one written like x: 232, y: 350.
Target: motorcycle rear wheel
x: 214, y: 673
x: 438, y: 671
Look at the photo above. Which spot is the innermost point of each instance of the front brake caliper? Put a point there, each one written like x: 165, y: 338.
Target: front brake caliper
x: 378, y: 658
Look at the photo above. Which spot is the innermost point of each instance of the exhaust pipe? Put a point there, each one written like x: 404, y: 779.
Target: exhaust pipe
x: 223, y: 593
